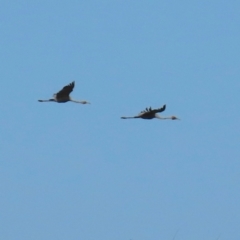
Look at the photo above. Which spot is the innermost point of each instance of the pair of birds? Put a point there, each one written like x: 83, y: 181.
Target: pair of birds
x: 64, y: 96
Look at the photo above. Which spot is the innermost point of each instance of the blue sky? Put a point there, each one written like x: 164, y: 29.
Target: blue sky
x: 71, y: 171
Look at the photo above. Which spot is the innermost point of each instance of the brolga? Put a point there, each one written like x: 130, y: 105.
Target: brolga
x: 150, y: 113
x: 64, y: 95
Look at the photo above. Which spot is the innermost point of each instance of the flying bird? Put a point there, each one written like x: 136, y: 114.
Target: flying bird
x: 150, y: 113
x: 63, y: 95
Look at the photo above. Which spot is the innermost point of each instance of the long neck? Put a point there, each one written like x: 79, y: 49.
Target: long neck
x: 76, y: 101
x: 162, y: 118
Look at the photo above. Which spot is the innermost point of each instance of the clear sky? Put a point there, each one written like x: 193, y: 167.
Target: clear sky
x: 79, y: 172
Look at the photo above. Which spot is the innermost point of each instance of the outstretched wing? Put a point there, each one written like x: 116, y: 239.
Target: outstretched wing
x: 150, y: 110
x: 159, y: 109
x: 65, y: 91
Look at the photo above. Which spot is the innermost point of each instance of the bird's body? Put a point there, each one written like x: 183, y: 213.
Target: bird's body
x: 150, y: 113
x: 64, y: 95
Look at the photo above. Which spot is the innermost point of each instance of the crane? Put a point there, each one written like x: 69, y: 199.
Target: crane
x: 150, y: 113
x: 63, y: 95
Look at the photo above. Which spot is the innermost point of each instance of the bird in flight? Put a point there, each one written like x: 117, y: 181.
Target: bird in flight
x: 150, y: 113
x: 64, y: 95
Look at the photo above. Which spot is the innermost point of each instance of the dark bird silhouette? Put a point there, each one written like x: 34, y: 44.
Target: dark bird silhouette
x: 64, y: 95
x: 150, y: 113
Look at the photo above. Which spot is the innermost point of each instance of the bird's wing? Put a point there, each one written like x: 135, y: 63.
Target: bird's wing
x: 159, y: 109
x: 150, y: 110
x: 66, y: 90
x: 145, y: 110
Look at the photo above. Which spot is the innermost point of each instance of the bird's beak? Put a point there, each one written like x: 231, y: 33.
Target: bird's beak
x: 175, y: 118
